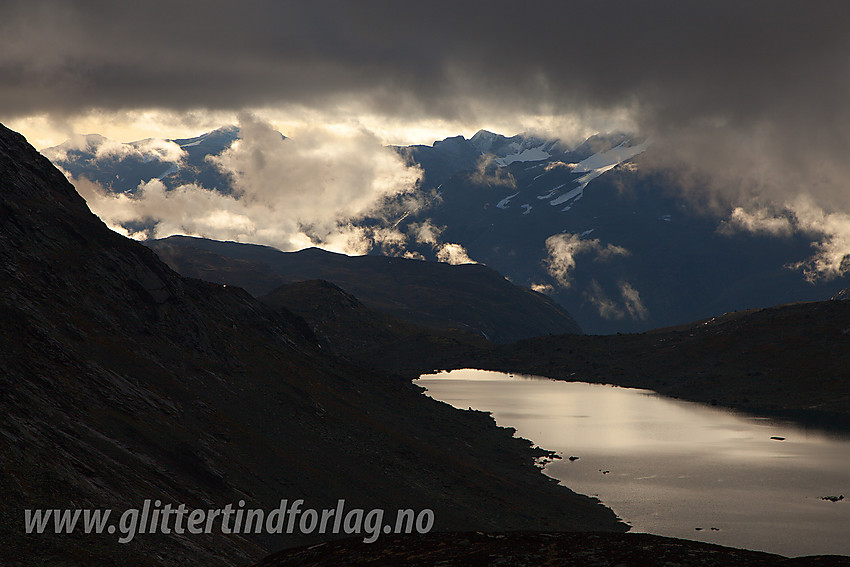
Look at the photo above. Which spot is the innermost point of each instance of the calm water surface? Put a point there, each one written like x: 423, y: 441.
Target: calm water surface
x: 676, y: 468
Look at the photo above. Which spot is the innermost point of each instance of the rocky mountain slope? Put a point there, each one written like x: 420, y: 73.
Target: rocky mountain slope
x: 122, y: 381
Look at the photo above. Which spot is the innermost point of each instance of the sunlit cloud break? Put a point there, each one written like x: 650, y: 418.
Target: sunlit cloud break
x: 609, y: 308
x: 288, y: 193
x: 830, y: 232
x: 562, y: 250
x: 291, y: 193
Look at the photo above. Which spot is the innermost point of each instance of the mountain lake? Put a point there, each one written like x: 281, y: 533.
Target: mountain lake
x: 676, y: 468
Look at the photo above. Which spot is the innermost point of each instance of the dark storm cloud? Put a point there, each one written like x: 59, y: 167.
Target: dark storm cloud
x: 733, y: 86
x: 680, y: 60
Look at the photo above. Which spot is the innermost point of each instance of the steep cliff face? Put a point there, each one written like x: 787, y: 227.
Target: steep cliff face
x: 120, y: 381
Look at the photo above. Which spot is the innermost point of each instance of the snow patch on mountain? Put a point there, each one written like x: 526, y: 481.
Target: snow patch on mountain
x: 610, y: 158
x: 173, y: 169
x: 551, y: 192
x: 576, y: 193
x: 226, y: 132
x: 529, y: 154
x: 596, y: 165
x: 503, y: 204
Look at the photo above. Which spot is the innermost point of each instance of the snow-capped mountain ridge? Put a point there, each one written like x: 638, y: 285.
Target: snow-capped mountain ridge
x: 621, y: 249
x: 518, y: 148
x: 592, y: 158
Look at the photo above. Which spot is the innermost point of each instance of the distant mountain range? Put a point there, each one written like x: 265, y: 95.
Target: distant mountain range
x: 623, y: 251
x: 620, y: 249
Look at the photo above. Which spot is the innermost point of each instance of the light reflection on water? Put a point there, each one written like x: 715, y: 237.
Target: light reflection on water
x: 675, y: 466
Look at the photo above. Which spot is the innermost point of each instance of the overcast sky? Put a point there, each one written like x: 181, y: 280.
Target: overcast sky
x: 668, y: 64
x: 747, y: 100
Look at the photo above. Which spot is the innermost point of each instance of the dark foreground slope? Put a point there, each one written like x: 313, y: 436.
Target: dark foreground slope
x: 121, y: 381
x: 519, y: 549
x: 470, y: 297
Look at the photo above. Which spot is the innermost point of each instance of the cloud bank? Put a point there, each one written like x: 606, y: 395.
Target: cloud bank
x: 104, y: 148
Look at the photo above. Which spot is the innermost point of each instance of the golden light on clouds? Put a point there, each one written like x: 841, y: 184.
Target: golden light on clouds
x: 45, y: 130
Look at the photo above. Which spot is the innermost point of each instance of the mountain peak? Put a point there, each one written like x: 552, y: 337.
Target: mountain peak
x: 451, y: 141
x: 484, y: 140
x: 484, y: 136
x: 225, y: 133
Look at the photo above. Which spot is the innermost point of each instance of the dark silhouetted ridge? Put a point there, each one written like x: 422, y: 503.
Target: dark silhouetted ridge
x: 469, y: 297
